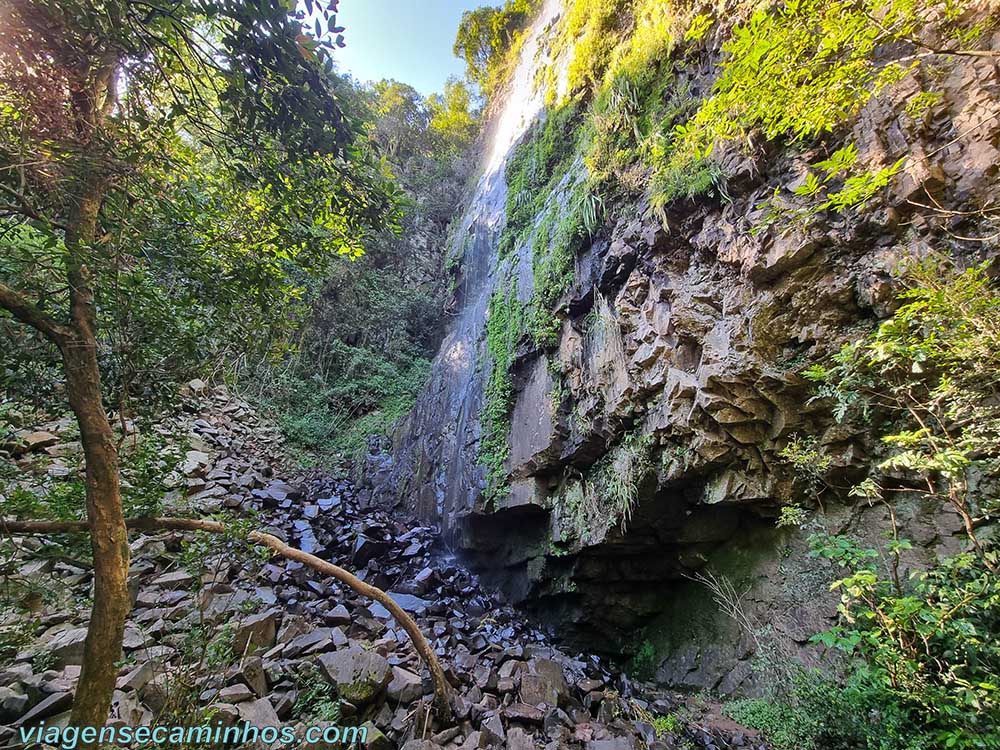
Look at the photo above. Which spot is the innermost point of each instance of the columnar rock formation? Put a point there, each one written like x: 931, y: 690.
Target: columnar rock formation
x: 677, y: 370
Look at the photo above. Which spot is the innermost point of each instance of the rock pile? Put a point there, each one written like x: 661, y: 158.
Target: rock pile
x: 216, y: 633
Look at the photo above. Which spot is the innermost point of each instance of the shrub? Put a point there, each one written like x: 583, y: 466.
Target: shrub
x: 644, y: 661
x: 926, y: 662
x: 929, y: 647
x: 931, y: 372
x: 815, y: 712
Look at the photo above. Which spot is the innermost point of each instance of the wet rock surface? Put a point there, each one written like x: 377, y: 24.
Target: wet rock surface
x: 681, y: 344
x: 268, y: 641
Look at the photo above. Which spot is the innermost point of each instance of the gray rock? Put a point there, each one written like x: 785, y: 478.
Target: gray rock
x: 359, y: 675
x: 292, y: 626
x: 374, y: 739
x: 50, y: 706
x: 138, y: 677
x: 544, y: 683
x: 493, y: 730
x: 406, y: 602
x: 313, y: 642
x: 156, y: 692
x: 177, y: 579
x: 195, y: 462
x: 67, y: 646
x: 135, y: 639
x: 337, y: 616
x: 259, y: 713
x: 536, y: 690
x: 524, y: 712
x: 518, y: 739
x: 366, y: 549
x: 252, y: 673
x: 256, y: 632
x: 235, y: 693
x: 617, y: 743
x: 405, y: 686
x: 224, y: 713
x: 12, y: 704
x: 36, y: 441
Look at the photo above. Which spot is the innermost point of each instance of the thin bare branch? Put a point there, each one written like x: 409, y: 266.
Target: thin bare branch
x: 442, y: 690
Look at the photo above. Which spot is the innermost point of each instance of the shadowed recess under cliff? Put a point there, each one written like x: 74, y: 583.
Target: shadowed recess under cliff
x: 657, y: 301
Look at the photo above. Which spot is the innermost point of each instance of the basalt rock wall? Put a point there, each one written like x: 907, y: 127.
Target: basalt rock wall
x: 676, y: 379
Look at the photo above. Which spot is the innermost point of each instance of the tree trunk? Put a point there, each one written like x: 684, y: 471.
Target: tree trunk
x: 108, y: 535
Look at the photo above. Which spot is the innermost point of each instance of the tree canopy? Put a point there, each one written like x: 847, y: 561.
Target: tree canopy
x: 484, y: 37
x: 230, y: 167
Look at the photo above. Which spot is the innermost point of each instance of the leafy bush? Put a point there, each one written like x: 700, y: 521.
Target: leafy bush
x: 931, y: 371
x: 842, y: 187
x: 925, y: 659
x: 644, y: 661
x: 665, y: 725
x: 315, y: 699
x: 929, y: 646
x: 364, y: 392
x: 818, y: 713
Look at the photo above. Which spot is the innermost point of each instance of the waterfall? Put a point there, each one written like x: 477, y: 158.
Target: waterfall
x: 435, y: 468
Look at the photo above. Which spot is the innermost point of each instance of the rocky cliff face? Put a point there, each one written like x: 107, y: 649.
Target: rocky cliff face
x: 643, y: 443
x: 435, y: 463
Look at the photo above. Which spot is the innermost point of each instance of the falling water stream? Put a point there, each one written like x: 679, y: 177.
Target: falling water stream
x: 436, y: 464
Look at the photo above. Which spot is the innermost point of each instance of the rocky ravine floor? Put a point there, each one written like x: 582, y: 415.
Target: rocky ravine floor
x: 284, y: 644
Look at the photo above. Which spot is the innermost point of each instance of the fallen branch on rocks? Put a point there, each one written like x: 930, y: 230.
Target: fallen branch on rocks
x: 441, y: 687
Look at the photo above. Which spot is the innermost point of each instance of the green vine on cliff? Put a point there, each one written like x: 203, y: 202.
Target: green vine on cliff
x: 556, y: 244
x: 819, y: 191
x: 795, y: 71
x: 505, y: 326
x: 534, y: 170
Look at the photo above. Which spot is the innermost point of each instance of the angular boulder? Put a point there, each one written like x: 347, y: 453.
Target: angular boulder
x: 359, y: 675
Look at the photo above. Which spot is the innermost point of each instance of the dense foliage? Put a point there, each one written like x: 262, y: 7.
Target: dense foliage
x: 925, y: 669
x: 364, y: 351
x: 210, y: 225
x: 931, y: 373
x: 485, y: 40
x: 790, y: 71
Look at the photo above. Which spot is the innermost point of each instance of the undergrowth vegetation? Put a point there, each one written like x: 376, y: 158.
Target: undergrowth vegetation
x: 923, y: 668
x: 605, y: 498
x: 363, y: 353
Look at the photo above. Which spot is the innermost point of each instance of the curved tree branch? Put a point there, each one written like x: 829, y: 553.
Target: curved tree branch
x: 15, y: 303
x: 442, y: 690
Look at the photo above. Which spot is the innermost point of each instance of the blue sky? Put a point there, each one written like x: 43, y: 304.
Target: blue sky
x: 409, y: 40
